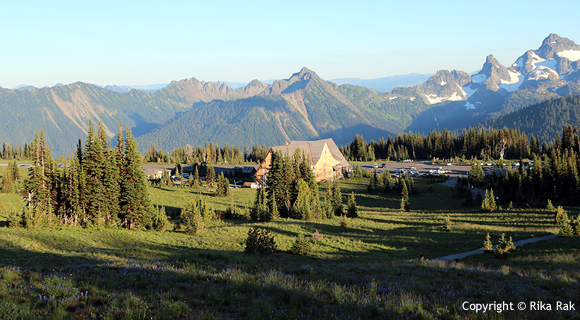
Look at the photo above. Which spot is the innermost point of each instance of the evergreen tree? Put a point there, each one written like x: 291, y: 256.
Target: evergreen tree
x: 136, y: 208
x: 37, y: 186
x: 488, y: 203
x: 195, y: 182
x: 487, y: 245
x: 405, y: 203
x: 210, y: 176
x: 223, y: 186
x: 468, y: 197
x: 160, y: 221
x: 280, y: 181
x: 94, y: 166
x: 260, y: 210
x: 386, y: 181
x: 8, y: 180
x: 15, y: 174
x: 301, y: 208
x: 476, y: 174
x: 111, y: 184
x: 336, y: 199
x: 352, y: 211
x: 192, y: 217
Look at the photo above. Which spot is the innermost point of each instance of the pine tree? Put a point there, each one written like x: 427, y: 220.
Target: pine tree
x: 223, y: 186
x: 8, y: 180
x: 37, y: 186
x: 301, y: 207
x: 336, y: 200
x: 111, y: 184
x: 94, y: 166
x: 192, y: 217
x: 280, y: 181
x: 352, y: 211
x: 160, y: 221
x: 476, y: 174
x: 566, y: 229
x: 136, y: 208
x: 487, y: 245
x: 195, y: 182
x: 259, y: 212
x: 210, y: 176
x: 488, y: 203
x: 405, y: 203
x: 273, y: 206
x: 386, y: 181
x: 468, y: 197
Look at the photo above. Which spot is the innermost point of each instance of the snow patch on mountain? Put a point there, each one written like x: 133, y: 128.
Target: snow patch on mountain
x: 469, y: 106
x: 433, y: 98
x: 550, y: 64
x: 572, y: 55
x: 479, y: 78
x: 516, y: 80
x: 455, y: 97
x: 542, y: 74
x: 467, y: 91
x: 442, y: 83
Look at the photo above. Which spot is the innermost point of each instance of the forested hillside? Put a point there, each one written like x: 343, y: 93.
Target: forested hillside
x: 544, y: 120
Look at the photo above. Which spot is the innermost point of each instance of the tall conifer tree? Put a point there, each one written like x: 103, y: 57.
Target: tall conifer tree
x: 136, y: 207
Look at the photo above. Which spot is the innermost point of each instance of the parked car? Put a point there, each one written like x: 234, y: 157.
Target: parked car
x: 186, y: 175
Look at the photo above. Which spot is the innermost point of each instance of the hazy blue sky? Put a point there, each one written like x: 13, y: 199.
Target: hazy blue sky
x: 147, y: 42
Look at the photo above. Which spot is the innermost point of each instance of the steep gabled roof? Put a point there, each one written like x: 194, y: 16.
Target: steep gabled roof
x: 313, y: 149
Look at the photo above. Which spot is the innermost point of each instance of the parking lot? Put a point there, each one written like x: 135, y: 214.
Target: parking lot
x: 453, y: 170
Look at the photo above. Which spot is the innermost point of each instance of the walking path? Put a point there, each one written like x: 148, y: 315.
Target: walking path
x: 479, y: 251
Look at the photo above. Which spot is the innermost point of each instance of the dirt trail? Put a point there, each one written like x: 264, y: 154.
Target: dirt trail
x: 478, y: 251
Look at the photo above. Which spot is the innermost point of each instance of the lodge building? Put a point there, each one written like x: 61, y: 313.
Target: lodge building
x: 327, y: 162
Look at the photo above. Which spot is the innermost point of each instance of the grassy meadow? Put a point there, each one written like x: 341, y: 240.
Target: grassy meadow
x: 361, y: 271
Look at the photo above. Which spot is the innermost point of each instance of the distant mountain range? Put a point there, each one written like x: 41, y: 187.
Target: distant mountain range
x: 387, y: 83
x: 301, y: 107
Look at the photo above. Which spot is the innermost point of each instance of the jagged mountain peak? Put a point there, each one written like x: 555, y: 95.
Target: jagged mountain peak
x: 554, y: 44
x: 297, y: 81
x: 444, y: 85
x: 255, y: 83
x: 304, y: 74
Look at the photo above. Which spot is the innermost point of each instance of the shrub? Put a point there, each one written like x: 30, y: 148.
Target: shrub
x: 194, y: 215
x: 301, y: 246
x: 558, y: 216
x: 344, y: 221
x: 260, y: 241
x: 550, y: 206
x: 576, y: 225
x: 504, y: 248
x: 317, y: 237
x: 447, y: 224
x: 566, y: 229
x: 14, y: 220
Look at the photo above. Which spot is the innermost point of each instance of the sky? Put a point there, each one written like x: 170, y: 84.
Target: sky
x: 148, y: 42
